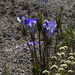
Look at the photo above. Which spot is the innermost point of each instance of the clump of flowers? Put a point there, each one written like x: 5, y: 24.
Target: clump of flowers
x: 32, y: 25
x: 43, y: 29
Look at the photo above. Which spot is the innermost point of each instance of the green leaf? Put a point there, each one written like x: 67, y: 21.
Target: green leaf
x: 5, y: 68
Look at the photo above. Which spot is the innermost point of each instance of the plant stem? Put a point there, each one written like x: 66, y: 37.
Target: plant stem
x: 53, y: 71
x: 44, y: 52
x: 5, y: 67
x: 35, y: 55
x: 47, y: 53
x: 30, y: 51
x: 28, y: 44
x: 40, y: 48
x: 56, y: 44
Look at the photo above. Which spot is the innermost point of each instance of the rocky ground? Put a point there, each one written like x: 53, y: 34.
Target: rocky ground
x: 13, y: 47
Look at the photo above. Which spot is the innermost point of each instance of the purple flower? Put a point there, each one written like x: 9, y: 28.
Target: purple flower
x: 49, y: 27
x: 20, y: 19
x: 30, y: 22
x: 20, y: 16
x: 56, y: 31
x: 29, y: 12
x: 32, y: 45
x: 26, y: 21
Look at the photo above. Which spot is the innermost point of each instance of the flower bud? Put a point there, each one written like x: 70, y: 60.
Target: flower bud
x: 70, y: 54
x: 57, y: 74
x: 65, y: 47
x: 61, y: 49
x: 54, y: 67
x: 59, y: 19
x: 54, y: 58
x: 61, y: 70
x: 64, y: 66
x: 46, y: 71
x: 40, y: 21
x: 62, y: 54
x: 58, y: 54
x: 71, y: 58
x: 68, y: 62
x: 62, y: 62
x: 70, y: 72
x: 74, y: 63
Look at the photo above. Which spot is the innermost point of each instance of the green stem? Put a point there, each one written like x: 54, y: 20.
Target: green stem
x: 47, y: 53
x: 44, y: 52
x: 35, y: 55
x: 5, y: 67
x: 33, y: 63
x: 56, y: 44
x: 61, y: 73
x: 43, y: 60
x: 40, y: 49
x: 28, y: 44
x: 53, y: 71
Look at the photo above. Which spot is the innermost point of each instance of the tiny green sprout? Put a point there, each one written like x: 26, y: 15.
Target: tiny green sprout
x: 70, y: 72
x: 61, y: 70
x: 71, y: 58
x: 62, y: 62
x: 70, y: 54
x: 46, y: 71
x: 54, y: 67
x: 64, y: 66
x: 57, y: 74
x: 61, y: 49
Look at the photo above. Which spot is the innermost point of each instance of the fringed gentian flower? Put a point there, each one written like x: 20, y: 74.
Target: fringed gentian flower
x: 30, y: 22
x: 20, y: 19
x: 32, y: 45
x: 49, y: 27
x: 26, y: 21
x: 29, y: 12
